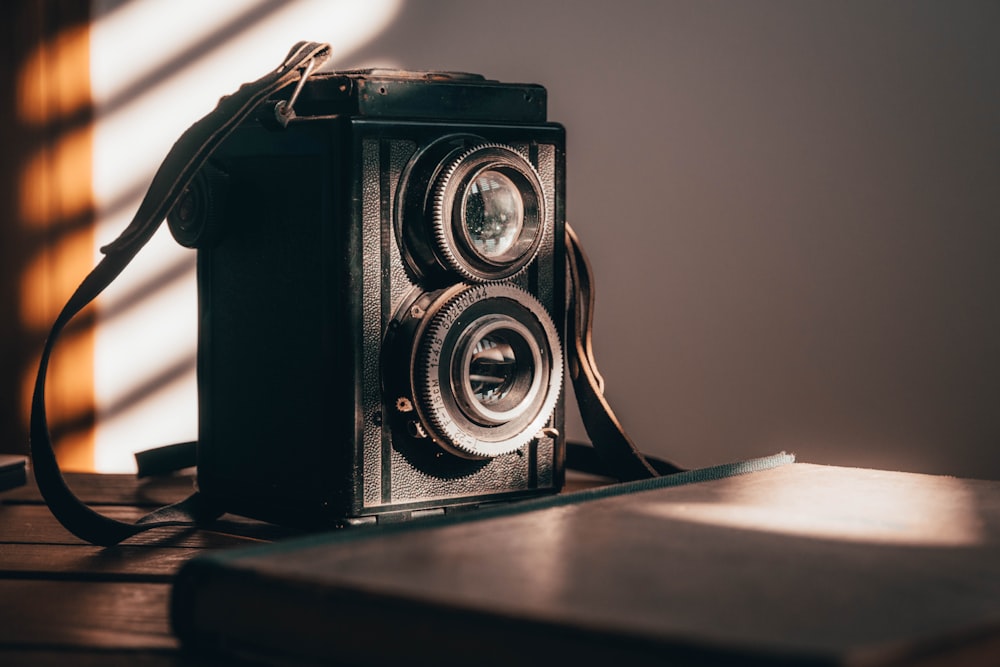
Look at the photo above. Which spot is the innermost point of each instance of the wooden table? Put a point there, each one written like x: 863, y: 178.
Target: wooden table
x: 66, y: 602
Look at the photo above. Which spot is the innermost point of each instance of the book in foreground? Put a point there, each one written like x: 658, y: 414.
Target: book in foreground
x: 12, y: 471
x: 789, y: 564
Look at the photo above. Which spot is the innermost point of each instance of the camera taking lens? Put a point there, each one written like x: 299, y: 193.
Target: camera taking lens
x: 486, y: 368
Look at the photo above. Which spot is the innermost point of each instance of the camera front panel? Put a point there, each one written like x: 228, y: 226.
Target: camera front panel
x: 462, y: 311
x: 382, y: 305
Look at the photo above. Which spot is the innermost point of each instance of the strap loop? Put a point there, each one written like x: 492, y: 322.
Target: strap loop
x: 285, y: 111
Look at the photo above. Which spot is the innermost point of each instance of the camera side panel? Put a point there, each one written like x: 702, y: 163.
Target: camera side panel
x: 277, y: 378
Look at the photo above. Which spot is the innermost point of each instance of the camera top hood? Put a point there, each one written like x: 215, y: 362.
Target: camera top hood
x: 388, y: 93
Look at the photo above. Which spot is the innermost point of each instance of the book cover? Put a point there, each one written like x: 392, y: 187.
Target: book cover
x: 787, y: 563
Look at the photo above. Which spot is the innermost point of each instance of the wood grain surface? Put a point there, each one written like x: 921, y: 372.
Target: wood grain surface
x: 66, y: 602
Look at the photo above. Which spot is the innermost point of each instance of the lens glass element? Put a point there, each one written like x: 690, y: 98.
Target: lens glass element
x: 494, y: 214
x: 495, y: 372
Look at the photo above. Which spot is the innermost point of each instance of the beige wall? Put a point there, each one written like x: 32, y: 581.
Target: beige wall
x: 791, y: 207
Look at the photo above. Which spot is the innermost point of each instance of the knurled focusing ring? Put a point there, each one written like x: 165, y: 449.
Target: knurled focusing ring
x: 488, y: 213
x: 486, y: 370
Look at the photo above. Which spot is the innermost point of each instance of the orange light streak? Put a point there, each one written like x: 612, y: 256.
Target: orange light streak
x: 55, y: 191
x: 54, y: 82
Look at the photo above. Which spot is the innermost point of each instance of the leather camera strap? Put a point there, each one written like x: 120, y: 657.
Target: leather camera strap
x: 183, y: 160
x: 619, y: 455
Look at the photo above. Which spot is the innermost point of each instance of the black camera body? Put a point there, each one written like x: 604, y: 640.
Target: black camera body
x: 382, y: 300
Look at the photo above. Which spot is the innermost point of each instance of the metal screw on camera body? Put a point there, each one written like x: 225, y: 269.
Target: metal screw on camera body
x: 416, y: 429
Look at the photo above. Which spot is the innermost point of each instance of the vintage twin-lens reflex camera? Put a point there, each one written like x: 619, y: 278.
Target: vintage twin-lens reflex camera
x: 381, y: 278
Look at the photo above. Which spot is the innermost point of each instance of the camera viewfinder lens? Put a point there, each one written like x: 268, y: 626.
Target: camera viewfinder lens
x: 486, y: 219
x: 494, y: 214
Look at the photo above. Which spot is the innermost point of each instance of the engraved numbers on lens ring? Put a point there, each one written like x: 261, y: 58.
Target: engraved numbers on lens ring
x: 487, y: 370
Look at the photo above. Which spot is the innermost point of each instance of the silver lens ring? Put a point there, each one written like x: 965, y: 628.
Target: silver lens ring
x: 489, y: 213
x: 487, y: 370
